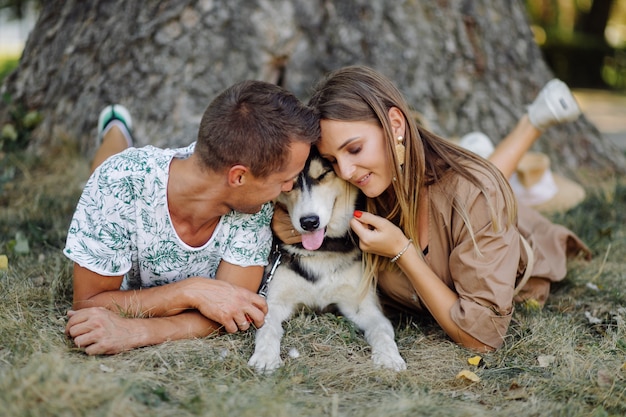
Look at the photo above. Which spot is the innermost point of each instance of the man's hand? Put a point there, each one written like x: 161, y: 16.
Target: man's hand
x: 102, y: 332
x: 233, y: 307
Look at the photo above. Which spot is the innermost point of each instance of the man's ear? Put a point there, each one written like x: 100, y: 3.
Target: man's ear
x: 237, y: 175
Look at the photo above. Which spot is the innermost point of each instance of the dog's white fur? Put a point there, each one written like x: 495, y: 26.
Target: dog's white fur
x: 334, y: 272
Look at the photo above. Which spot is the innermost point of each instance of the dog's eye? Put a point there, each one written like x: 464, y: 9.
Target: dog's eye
x: 324, y: 174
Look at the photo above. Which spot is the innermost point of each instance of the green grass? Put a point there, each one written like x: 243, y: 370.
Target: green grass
x: 555, y: 362
x: 7, y: 64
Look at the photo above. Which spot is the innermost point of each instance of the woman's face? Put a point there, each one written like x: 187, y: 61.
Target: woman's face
x: 358, y: 154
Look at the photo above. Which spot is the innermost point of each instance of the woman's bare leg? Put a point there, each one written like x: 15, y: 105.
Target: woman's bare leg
x: 554, y: 105
x: 510, y: 150
x: 113, y: 142
x: 114, y: 132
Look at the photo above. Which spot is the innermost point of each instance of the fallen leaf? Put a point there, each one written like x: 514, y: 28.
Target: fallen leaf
x: 475, y: 360
x: 4, y: 263
x: 532, y: 304
x: 468, y: 375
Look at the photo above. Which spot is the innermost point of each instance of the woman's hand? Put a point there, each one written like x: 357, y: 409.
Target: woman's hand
x: 282, y: 226
x: 378, y: 235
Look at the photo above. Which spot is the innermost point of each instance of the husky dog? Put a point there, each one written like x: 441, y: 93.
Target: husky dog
x: 325, y: 269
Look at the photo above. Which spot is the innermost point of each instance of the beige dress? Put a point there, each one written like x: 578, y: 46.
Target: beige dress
x: 485, y: 279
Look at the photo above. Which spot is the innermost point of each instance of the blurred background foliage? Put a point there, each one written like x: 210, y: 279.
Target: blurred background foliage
x: 18, y: 13
x: 18, y: 8
x: 583, y: 41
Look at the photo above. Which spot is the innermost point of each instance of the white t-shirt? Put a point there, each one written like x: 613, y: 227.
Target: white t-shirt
x: 122, y: 226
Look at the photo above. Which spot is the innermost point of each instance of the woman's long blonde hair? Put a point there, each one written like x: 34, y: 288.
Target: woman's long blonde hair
x: 359, y: 93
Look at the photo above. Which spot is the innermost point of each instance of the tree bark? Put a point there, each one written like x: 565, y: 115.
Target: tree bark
x: 465, y: 65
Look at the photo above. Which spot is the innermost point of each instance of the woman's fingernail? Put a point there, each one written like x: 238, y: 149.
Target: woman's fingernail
x: 358, y: 213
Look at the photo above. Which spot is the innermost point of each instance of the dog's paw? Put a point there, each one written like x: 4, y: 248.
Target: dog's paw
x: 389, y: 360
x: 264, y: 363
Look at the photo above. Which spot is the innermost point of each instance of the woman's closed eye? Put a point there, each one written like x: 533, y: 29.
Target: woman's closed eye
x: 331, y: 160
x: 353, y: 150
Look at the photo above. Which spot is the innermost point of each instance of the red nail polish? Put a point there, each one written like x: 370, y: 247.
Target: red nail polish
x: 358, y: 214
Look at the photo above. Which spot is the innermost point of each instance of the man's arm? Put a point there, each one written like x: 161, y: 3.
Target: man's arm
x: 222, y: 300
x: 248, y: 277
x: 103, y: 332
x: 193, y: 307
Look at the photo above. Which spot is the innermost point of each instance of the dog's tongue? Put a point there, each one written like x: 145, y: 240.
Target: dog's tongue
x: 313, y: 241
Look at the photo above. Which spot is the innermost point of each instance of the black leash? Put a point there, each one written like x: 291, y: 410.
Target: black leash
x: 267, y: 278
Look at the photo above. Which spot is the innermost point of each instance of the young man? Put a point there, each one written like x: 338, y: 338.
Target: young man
x: 153, y: 225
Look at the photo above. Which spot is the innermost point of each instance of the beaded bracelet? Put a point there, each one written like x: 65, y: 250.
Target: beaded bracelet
x: 395, y: 258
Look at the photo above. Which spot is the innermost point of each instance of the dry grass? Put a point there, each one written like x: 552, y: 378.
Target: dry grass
x: 555, y: 362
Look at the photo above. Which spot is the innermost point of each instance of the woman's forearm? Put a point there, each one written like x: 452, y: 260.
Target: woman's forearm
x: 436, y: 297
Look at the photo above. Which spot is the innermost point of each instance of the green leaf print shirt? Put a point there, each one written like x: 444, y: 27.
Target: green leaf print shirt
x: 122, y: 226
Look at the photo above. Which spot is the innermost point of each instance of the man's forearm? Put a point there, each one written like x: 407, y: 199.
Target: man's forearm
x: 187, y: 325
x: 103, y: 332
x: 162, y: 301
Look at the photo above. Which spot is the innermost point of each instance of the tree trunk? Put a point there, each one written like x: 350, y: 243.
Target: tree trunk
x: 465, y: 65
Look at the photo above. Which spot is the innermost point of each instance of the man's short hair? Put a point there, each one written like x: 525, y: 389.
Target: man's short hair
x: 253, y: 123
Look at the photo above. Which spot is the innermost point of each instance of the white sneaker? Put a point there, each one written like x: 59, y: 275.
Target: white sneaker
x: 477, y: 142
x: 116, y: 115
x: 554, y: 105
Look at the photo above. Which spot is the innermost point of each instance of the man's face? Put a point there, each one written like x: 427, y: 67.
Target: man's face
x: 259, y: 191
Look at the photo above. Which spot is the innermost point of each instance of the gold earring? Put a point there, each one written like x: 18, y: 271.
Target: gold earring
x: 400, y: 149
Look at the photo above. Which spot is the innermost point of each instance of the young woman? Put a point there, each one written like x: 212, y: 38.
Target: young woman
x: 442, y: 232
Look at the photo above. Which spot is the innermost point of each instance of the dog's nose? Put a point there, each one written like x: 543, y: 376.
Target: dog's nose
x: 310, y: 223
